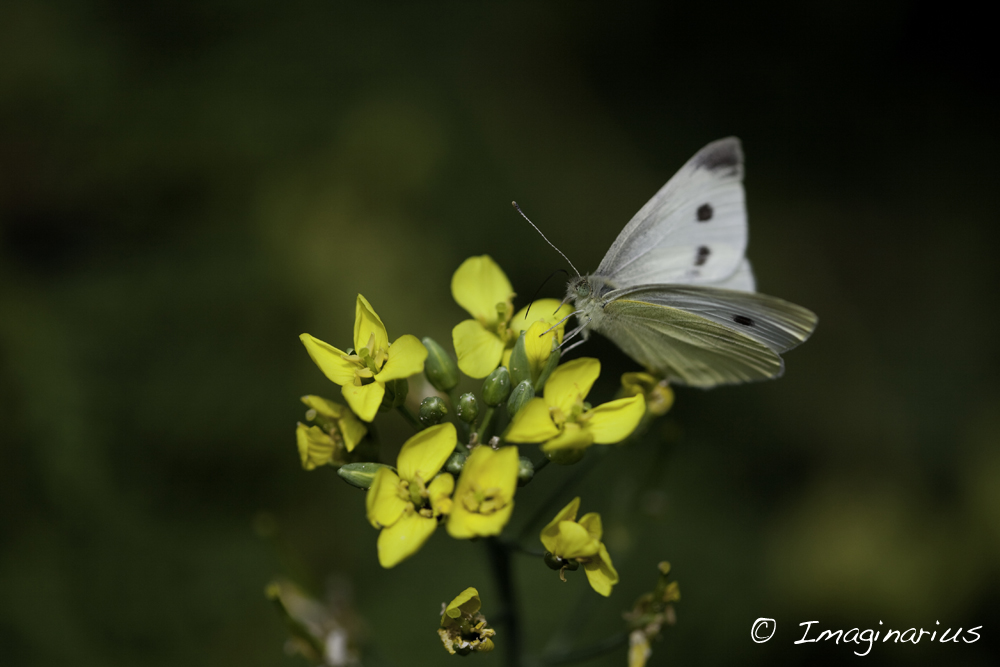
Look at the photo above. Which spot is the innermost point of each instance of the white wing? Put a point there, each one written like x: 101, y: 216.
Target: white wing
x: 694, y: 230
x: 778, y: 324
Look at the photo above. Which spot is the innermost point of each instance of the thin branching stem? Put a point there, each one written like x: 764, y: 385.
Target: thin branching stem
x: 500, y: 562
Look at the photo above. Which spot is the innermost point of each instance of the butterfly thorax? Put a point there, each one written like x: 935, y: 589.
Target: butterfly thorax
x: 587, y: 293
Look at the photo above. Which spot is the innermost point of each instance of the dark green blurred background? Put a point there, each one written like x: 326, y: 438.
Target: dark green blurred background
x: 187, y: 186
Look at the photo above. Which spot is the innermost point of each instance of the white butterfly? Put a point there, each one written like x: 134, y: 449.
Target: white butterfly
x: 675, y: 292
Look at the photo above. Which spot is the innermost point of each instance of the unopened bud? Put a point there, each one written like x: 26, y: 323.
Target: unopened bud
x: 395, y: 393
x: 432, y: 411
x: 525, y: 470
x: 550, y: 365
x: 440, y: 368
x: 455, y: 462
x: 496, y: 387
x: 468, y: 407
x: 519, y: 397
x: 519, y: 366
x: 360, y: 475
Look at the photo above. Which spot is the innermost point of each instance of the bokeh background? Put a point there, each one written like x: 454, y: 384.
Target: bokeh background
x: 187, y: 186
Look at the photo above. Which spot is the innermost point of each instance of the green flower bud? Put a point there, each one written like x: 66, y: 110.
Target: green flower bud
x: 496, y: 387
x: 565, y: 457
x: 525, y: 470
x: 456, y: 462
x: 550, y: 365
x: 520, y: 368
x: 439, y: 367
x: 519, y: 396
x: 432, y: 411
x: 360, y: 475
x: 468, y: 407
x: 395, y: 393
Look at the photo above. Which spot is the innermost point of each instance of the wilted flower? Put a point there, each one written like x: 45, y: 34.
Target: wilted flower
x: 463, y: 628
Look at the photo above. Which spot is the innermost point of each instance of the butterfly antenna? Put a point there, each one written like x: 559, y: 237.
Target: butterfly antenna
x: 514, y: 204
x: 540, y: 289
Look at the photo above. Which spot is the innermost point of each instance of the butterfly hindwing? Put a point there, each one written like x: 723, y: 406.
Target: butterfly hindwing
x: 693, y: 231
x: 776, y: 323
x: 684, y: 347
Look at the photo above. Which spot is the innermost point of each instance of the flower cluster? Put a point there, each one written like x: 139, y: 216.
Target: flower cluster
x: 469, y: 453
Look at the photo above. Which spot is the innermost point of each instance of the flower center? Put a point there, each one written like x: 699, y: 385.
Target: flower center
x: 369, y: 362
x: 484, y: 501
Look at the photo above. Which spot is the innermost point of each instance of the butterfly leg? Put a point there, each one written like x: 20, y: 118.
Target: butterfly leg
x: 582, y: 329
x: 576, y: 312
x: 576, y: 344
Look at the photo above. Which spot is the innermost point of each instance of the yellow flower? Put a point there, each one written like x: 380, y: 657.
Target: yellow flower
x: 403, y: 504
x: 337, y: 430
x: 580, y: 541
x: 463, y: 628
x: 484, y: 498
x: 658, y: 394
x: 562, y: 420
x: 362, y: 375
x: 483, y: 290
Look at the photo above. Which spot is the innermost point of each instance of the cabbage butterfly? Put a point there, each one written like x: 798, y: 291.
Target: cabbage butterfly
x: 675, y: 292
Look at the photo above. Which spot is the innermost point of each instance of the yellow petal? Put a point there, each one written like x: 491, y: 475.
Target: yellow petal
x: 426, y: 452
x: 406, y: 358
x: 478, y: 286
x: 592, y: 522
x: 325, y: 407
x: 329, y: 359
x: 493, y: 469
x: 602, y: 573
x: 550, y: 531
x: 484, y: 469
x: 467, y: 601
x: 571, y: 382
x: 614, y: 421
x: 316, y: 448
x: 538, y: 347
x: 382, y: 503
x: 351, y: 429
x: 364, y: 400
x: 543, y: 310
x: 366, y: 324
x: 573, y: 436
x: 439, y: 491
x: 478, y: 350
x: 532, y: 424
x: 404, y: 538
x: 573, y: 541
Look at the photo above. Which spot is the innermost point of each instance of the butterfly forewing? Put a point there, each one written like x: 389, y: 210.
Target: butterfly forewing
x: 778, y: 324
x: 694, y: 230
x: 686, y: 348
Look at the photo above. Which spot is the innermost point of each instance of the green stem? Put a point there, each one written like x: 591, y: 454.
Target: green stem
x: 499, y: 555
x: 487, y: 417
x: 606, y: 645
x: 405, y: 411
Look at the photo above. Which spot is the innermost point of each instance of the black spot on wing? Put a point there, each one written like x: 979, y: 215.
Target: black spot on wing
x: 702, y: 256
x: 705, y: 212
x: 743, y: 319
x: 724, y: 155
